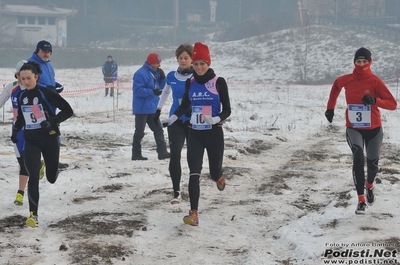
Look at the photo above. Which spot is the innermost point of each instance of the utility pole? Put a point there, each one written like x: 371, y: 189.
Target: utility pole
x: 240, y: 11
x: 213, y: 10
x: 336, y: 11
x: 176, y: 20
x: 300, y: 12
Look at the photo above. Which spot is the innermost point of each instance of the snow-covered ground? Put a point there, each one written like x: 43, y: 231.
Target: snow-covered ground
x: 289, y: 197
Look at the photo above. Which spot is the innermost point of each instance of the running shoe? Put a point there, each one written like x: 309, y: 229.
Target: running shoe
x: 361, y: 207
x: 191, y: 219
x: 177, y: 198
x: 221, y: 183
x: 19, y: 199
x: 370, y: 196
x: 32, y: 220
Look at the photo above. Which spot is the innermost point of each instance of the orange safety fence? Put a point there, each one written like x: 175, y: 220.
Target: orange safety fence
x: 91, y: 87
x: 101, y: 86
x: 95, y: 86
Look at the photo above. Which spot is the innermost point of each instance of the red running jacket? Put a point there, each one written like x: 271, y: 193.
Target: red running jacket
x: 357, y: 84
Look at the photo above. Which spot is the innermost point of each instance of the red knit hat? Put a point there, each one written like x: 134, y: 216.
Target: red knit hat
x: 201, y: 52
x: 153, y: 58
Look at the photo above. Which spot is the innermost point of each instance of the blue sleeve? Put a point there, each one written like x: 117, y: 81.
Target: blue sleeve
x: 114, y: 69
x: 141, y: 86
x: 103, y: 68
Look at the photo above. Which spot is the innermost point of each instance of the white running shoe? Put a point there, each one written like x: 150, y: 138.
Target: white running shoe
x: 177, y: 198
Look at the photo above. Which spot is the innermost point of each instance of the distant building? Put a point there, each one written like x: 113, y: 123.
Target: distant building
x: 25, y: 25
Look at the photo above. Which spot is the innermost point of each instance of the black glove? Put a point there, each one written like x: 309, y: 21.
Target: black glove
x: 59, y: 88
x: 156, y: 117
x: 161, y: 73
x: 329, y: 115
x: 14, y: 134
x: 157, y: 92
x: 368, y: 100
x: 47, y: 126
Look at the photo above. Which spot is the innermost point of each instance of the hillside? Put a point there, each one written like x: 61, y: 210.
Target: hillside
x: 317, y: 54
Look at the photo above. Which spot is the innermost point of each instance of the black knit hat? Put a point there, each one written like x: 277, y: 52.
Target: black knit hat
x: 362, y: 53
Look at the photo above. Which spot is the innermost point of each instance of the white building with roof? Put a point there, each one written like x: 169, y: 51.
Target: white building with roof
x: 25, y: 25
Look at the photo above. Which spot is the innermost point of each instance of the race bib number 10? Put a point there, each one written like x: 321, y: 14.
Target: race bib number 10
x: 197, y: 120
x: 359, y: 115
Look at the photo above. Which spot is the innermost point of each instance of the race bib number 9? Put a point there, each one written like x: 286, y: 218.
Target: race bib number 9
x: 197, y: 120
x: 33, y: 115
x: 359, y: 115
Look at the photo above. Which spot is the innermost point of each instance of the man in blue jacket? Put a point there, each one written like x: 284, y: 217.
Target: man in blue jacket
x: 110, y: 74
x: 148, y: 82
x: 42, y: 56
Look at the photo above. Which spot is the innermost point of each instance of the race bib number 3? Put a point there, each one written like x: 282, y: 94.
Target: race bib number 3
x: 359, y: 115
x: 197, y: 120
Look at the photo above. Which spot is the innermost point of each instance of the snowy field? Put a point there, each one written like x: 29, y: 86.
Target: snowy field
x: 289, y: 197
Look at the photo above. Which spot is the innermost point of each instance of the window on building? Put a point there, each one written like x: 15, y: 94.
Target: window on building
x: 31, y: 20
x: 21, y: 20
x: 193, y: 17
x: 41, y: 20
x: 51, y: 20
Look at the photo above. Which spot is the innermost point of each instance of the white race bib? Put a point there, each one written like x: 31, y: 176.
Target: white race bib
x: 359, y: 115
x: 197, y: 121
x: 33, y: 115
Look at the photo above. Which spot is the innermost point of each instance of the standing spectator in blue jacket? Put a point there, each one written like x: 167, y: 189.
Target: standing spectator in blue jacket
x: 148, y: 82
x: 110, y: 73
x: 42, y: 56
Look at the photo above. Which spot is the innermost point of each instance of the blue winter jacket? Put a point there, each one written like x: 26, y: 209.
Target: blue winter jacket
x: 46, y: 78
x: 145, y: 80
x: 110, y: 71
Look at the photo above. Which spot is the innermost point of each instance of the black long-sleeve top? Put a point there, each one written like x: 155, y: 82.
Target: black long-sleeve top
x: 50, y: 101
